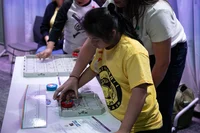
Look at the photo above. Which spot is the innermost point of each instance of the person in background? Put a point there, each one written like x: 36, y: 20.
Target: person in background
x: 69, y: 17
x: 164, y: 38
x: 128, y: 85
x: 46, y: 26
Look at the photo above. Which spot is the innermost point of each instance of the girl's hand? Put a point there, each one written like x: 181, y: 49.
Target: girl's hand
x: 69, y: 90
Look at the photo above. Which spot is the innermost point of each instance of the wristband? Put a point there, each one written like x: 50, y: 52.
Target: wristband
x: 74, y: 77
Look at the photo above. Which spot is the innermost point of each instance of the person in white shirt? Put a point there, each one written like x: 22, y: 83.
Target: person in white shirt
x: 68, y: 19
x: 164, y: 38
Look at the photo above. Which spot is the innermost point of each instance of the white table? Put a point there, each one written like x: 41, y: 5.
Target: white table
x: 13, y: 112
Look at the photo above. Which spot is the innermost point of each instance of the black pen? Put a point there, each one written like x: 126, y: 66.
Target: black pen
x: 101, y: 124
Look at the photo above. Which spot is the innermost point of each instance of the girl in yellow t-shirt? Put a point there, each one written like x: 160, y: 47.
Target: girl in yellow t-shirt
x: 124, y: 70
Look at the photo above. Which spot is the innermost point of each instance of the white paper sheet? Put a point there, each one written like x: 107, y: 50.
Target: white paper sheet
x: 89, y: 125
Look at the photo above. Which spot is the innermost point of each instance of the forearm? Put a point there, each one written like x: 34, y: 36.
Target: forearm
x: 158, y: 73
x: 135, y: 106
x: 85, y: 56
x: 162, y: 52
x: 87, y: 75
x: 50, y: 45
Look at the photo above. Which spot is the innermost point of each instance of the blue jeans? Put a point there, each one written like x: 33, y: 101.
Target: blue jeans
x: 167, y: 89
x: 59, y: 51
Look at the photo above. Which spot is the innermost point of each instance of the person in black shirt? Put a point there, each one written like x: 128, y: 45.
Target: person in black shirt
x: 46, y: 26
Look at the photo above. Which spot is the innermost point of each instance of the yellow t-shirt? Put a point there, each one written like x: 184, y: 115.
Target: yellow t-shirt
x: 121, y: 69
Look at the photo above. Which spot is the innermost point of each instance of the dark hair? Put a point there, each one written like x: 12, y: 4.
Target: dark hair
x: 136, y: 8
x: 100, y: 22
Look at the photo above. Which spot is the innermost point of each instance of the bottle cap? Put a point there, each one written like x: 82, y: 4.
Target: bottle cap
x: 51, y: 87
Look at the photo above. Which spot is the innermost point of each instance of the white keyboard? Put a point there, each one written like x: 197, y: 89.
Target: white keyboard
x: 34, y: 111
x: 60, y: 65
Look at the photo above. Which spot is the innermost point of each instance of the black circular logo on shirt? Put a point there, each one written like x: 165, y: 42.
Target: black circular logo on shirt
x: 111, y: 89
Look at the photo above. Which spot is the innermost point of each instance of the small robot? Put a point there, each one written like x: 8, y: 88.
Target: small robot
x: 68, y: 103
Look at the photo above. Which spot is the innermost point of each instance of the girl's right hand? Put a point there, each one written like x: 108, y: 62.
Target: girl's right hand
x: 65, y: 90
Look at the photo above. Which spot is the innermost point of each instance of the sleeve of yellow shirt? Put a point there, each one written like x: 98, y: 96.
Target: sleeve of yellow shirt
x: 138, y: 70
